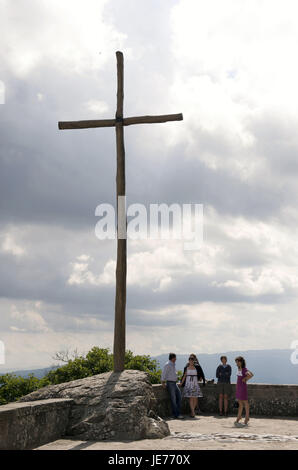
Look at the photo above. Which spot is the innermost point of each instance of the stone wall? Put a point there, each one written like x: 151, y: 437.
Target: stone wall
x: 29, y: 425
x: 108, y: 406
x: 264, y: 399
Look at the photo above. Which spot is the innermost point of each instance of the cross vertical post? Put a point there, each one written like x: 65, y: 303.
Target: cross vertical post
x: 121, y: 268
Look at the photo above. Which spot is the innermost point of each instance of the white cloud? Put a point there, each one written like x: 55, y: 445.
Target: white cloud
x: 164, y: 259
x: 273, y: 239
x: 231, y: 71
x: 81, y: 275
x: 70, y: 34
x: 27, y: 350
x: 15, y: 328
x: 109, y: 273
x: 234, y: 62
x: 224, y: 260
x: 245, y: 326
x: 83, y: 257
x: 254, y: 282
x: 29, y: 320
x: 97, y: 107
x: 9, y: 245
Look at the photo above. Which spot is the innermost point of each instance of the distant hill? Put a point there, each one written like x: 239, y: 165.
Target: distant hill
x: 269, y: 366
x: 39, y: 373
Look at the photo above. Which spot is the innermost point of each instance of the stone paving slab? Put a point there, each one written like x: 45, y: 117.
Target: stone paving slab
x: 233, y: 437
x: 204, y: 432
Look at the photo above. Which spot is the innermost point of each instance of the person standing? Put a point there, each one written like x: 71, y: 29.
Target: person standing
x: 169, y: 381
x: 243, y: 375
x: 202, y: 375
x: 223, y: 374
x: 190, y: 381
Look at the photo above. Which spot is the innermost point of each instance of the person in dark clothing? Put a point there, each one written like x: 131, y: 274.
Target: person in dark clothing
x: 223, y: 374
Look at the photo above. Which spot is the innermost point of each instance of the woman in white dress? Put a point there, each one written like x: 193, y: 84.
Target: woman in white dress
x: 190, y: 382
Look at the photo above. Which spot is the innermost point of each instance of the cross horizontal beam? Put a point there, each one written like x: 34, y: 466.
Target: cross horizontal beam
x: 126, y: 121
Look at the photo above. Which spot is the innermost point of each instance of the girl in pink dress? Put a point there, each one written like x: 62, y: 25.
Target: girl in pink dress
x: 243, y: 375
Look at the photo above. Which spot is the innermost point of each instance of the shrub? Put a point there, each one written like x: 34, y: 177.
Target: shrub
x: 13, y: 387
x: 97, y: 361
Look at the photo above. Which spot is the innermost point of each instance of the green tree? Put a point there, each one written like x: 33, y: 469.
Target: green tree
x: 144, y: 363
x: 97, y: 361
x: 13, y: 387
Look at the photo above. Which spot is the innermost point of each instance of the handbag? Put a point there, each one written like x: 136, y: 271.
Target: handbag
x: 235, y: 404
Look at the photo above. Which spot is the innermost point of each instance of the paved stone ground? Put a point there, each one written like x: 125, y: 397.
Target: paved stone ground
x: 204, y: 432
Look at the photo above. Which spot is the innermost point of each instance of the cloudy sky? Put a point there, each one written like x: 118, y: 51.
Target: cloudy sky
x: 230, y: 67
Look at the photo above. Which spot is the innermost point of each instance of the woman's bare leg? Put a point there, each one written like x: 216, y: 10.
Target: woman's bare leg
x: 192, y: 406
x: 246, y: 404
x: 196, y: 401
x: 239, y: 416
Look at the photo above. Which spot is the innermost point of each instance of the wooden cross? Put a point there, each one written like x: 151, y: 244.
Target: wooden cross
x: 118, y: 123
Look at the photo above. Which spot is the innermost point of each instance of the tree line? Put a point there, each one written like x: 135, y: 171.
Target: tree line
x: 96, y: 361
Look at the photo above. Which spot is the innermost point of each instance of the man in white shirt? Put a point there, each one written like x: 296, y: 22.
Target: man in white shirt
x: 168, y: 380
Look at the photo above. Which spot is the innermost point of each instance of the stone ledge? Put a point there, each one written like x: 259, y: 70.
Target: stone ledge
x: 31, y: 424
x: 264, y: 400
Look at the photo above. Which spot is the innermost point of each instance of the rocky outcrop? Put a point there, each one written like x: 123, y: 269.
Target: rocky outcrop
x: 109, y: 406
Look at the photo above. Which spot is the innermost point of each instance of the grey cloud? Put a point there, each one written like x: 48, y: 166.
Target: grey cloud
x: 51, y: 178
x: 50, y: 175
x: 193, y: 289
